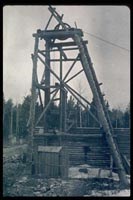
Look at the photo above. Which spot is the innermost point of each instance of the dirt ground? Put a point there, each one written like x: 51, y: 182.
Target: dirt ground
x: 17, y: 181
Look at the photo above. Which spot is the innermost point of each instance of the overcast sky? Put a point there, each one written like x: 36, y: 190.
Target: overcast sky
x: 112, y: 64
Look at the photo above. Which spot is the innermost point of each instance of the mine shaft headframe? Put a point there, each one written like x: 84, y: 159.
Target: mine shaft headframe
x: 83, y: 55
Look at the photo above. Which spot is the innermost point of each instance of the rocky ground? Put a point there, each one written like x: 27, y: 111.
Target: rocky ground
x: 82, y: 181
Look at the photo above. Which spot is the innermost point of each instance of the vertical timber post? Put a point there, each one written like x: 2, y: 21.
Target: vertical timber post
x: 47, y: 82
x: 61, y: 88
x: 63, y: 98
x: 64, y: 107
x: 33, y: 100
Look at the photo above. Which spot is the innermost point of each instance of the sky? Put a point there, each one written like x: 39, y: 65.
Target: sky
x: 111, y: 64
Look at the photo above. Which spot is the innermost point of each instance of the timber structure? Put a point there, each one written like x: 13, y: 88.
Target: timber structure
x: 69, y: 39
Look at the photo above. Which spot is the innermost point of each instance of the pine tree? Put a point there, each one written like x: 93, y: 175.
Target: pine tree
x: 7, y: 107
x: 24, y: 109
x: 93, y: 122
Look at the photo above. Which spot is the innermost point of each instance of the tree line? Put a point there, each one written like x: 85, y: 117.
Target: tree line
x: 15, y: 116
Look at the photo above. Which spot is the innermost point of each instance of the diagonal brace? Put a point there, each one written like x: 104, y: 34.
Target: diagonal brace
x: 74, y: 75
x: 71, y: 67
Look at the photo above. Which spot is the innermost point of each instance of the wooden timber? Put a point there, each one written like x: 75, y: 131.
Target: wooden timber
x: 58, y: 34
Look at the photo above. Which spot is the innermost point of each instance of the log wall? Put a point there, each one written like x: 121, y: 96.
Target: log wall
x: 97, y: 151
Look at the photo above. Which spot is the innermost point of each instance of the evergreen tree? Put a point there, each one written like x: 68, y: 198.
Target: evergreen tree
x: 79, y: 115
x: 53, y: 116
x: 92, y: 121
x: 116, y: 116
x: 126, y: 117
x: 71, y: 104
x: 24, y: 110
x: 7, y: 107
x: 71, y: 111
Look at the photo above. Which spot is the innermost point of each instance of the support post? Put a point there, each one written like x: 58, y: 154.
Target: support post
x: 64, y: 107
x: 47, y: 82
x: 61, y: 88
x: 33, y: 102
